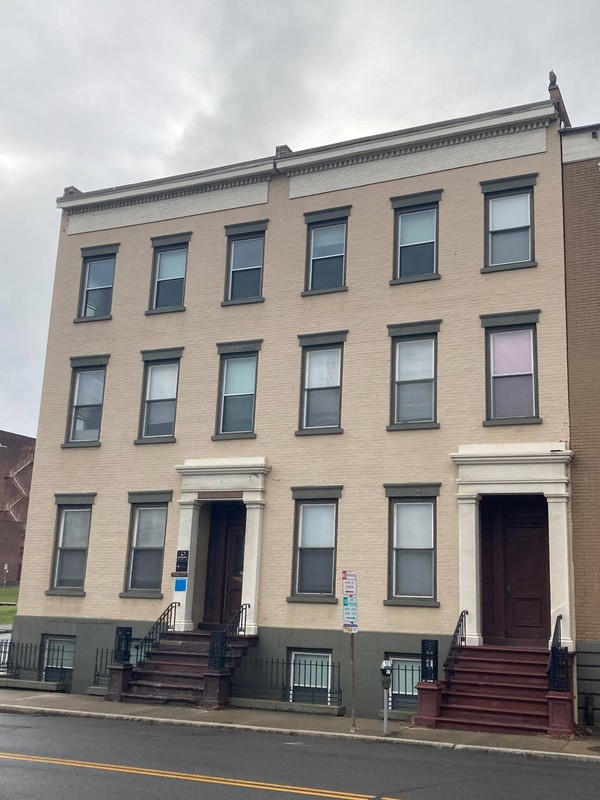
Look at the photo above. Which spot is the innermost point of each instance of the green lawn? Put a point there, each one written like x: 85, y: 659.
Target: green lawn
x: 8, y: 595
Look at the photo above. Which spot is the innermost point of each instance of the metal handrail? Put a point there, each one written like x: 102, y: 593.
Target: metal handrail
x: 221, y: 641
x: 165, y: 623
x: 459, y: 640
x: 559, y: 666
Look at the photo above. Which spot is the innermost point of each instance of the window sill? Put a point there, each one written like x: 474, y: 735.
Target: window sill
x: 98, y: 318
x: 168, y: 310
x: 156, y: 440
x: 69, y: 445
x: 242, y: 301
x: 312, y: 598
x: 433, y: 276
x: 412, y: 426
x: 240, y: 435
x: 309, y: 292
x: 424, y: 602
x: 65, y: 592
x: 490, y: 423
x: 318, y: 431
x: 505, y: 267
x: 142, y: 594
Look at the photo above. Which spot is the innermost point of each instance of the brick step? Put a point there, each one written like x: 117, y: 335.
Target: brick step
x: 159, y: 698
x: 167, y: 676
x: 485, y: 652
x: 492, y: 688
x: 489, y: 716
x: 454, y: 723
x: 173, y: 690
x: 478, y: 676
x: 491, y: 702
x: 497, y: 665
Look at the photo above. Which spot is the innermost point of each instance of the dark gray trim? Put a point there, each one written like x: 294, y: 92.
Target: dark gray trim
x: 490, y: 423
x: 159, y: 496
x: 415, y: 328
x: 171, y: 239
x: 311, y: 598
x: 241, y: 435
x: 142, y: 594
x: 243, y: 301
x: 418, y: 199
x: 243, y: 228
x: 156, y: 440
x: 327, y: 215
x: 90, y: 361
x: 432, y: 276
x: 78, y: 499
x: 412, y: 489
x: 509, y: 184
x: 65, y: 592
x: 99, y: 318
x: 308, y: 292
x: 412, y: 426
x: 149, y: 312
x: 504, y: 267
x: 316, y: 492
x: 70, y: 445
x: 164, y: 354
x: 317, y: 431
x: 100, y: 250
x: 530, y: 317
x: 318, y: 339
x: 426, y: 602
x: 247, y: 346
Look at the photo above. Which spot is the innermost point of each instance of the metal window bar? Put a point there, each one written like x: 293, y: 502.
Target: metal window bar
x: 459, y: 640
x: 273, y: 679
x: 33, y: 661
x: 104, y: 657
x: 164, y: 624
x: 405, y: 677
x: 559, y: 665
x: 221, y: 642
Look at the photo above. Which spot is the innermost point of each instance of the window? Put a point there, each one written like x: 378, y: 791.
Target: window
x: 315, y: 534
x: 237, y: 395
x: 412, y: 543
x: 310, y: 680
x: 413, y: 399
x: 326, y: 268
x: 71, y: 547
x: 87, y: 397
x: 161, y: 377
x: 321, y: 382
x: 170, y: 263
x: 59, y: 658
x: 97, y: 281
x: 246, y: 244
x: 511, y: 367
x: 406, y: 673
x: 509, y: 222
x: 148, y: 527
x: 416, y: 236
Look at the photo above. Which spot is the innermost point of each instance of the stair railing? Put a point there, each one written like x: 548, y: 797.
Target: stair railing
x: 165, y: 623
x: 459, y: 640
x: 559, y: 666
x: 221, y: 641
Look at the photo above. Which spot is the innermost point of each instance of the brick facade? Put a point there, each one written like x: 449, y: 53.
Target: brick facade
x: 16, y: 465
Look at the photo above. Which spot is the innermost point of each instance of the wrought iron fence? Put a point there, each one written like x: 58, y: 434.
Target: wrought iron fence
x: 289, y: 680
x: 164, y: 624
x: 221, y: 641
x: 559, y: 665
x: 104, y: 657
x: 35, y: 662
x: 458, y: 641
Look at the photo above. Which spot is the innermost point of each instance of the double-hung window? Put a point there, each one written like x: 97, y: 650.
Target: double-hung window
x: 414, y: 357
x: 87, y: 398
x: 246, y: 247
x: 412, y: 543
x: 416, y: 236
x: 406, y: 673
x: 321, y: 399
x: 71, y: 547
x: 315, y: 537
x: 509, y: 241
x: 511, y: 367
x: 159, y: 404
x: 326, y: 263
x: 97, y: 281
x: 237, y: 392
x: 310, y: 679
x: 147, y: 542
x: 169, y: 272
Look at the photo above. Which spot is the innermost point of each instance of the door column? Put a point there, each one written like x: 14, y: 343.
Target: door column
x: 252, y: 543
x: 561, y: 567
x: 469, y: 565
x: 187, y: 540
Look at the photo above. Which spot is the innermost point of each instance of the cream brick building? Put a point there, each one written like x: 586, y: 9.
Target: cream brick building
x: 345, y: 358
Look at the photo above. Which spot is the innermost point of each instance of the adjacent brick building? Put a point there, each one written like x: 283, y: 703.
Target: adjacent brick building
x: 16, y: 465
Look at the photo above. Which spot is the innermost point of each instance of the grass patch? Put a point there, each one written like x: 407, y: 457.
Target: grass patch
x: 10, y: 594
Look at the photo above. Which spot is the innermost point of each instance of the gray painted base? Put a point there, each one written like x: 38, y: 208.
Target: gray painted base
x: 588, y: 682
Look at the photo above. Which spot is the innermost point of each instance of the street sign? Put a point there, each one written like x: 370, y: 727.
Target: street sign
x: 350, y: 627
x: 350, y: 609
x: 348, y: 581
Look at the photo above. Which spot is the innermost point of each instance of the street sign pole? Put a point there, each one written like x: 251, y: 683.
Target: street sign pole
x: 353, y: 728
x: 350, y: 615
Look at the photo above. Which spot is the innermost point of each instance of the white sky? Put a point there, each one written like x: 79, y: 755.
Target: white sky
x: 97, y: 93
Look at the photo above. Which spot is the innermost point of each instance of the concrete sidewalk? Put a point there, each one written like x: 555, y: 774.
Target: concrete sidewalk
x: 584, y: 747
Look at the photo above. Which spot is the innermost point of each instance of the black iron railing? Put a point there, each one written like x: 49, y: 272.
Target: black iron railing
x: 34, y: 661
x: 459, y: 640
x: 405, y: 676
x: 104, y: 657
x: 288, y: 680
x: 164, y: 624
x: 559, y: 665
x: 429, y: 660
x: 221, y: 641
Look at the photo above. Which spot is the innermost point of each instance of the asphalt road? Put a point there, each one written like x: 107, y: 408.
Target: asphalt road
x: 63, y: 758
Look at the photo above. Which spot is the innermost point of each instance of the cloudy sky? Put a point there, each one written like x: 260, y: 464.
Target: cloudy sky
x: 97, y: 93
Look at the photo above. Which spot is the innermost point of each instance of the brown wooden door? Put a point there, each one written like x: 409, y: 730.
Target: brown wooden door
x: 234, y: 570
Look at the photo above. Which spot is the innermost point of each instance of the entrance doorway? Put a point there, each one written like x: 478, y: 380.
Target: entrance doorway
x: 225, y: 562
x: 515, y: 570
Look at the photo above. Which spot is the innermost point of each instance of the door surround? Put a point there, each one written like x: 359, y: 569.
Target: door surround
x: 213, y: 479
x: 540, y: 468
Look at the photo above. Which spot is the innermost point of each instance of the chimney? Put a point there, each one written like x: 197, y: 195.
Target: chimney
x: 283, y: 150
x: 556, y: 98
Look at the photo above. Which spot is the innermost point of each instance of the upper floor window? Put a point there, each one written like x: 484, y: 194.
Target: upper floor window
x: 97, y: 282
x: 509, y: 241
x: 326, y: 267
x: 416, y: 236
x: 246, y: 245
x: 321, y: 403
x: 169, y: 272
x: 237, y: 389
x: 71, y: 545
x: 161, y: 378
x: 87, y: 398
x: 147, y: 543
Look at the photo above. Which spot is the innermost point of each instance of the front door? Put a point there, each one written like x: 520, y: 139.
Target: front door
x: 516, y: 579
x: 225, y: 562
x: 234, y: 569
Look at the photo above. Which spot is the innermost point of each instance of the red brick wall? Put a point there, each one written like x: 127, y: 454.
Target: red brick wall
x: 15, y: 451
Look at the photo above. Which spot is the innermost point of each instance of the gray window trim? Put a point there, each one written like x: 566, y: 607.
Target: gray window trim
x: 229, y: 351
x: 432, y: 276
x: 309, y: 292
x: 165, y: 354
x: 78, y: 499
x: 504, y: 323
x: 509, y: 184
x: 242, y: 301
x: 423, y: 602
x: 142, y: 594
x: 407, y: 201
x: 415, y: 328
x: 317, y: 492
x: 243, y: 228
x: 66, y: 592
x: 90, y: 361
x: 319, y: 342
x: 171, y: 239
x: 312, y: 598
x: 409, y: 204
x: 404, y: 332
x: 406, y: 493
x: 505, y: 188
x: 79, y: 365
x: 162, y: 244
x: 402, y: 490
x: 327, y: 215
x: 149, y: 359
x: 99, y: 318
x: 217, y: 437
x: 158, y: 496
x: 100, y: 250
x: 149, y: 312
x: 318, y: 339
x: 156, y: 440
x: 134, y: 507
x: 73, y: 501
x: 510, y: 318
x: 313, y: 224
x: 232, y: 348
x: 328, y: 499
